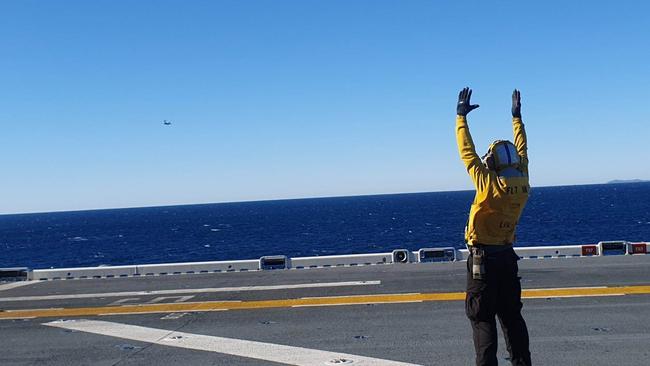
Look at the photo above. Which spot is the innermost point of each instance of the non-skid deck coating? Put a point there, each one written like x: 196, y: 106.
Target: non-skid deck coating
x: 580, y: 311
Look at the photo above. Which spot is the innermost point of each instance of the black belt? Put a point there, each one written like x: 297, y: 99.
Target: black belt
x: 490, y: 249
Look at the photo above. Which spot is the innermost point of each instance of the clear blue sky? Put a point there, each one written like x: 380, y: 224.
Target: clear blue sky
x: 283, y: 99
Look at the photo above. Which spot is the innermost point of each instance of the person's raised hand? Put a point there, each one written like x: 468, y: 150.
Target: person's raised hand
x: 516, y: 103
x: 464, y: 105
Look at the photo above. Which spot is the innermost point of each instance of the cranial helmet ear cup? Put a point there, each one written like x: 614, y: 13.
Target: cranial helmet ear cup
x: 488, y: 160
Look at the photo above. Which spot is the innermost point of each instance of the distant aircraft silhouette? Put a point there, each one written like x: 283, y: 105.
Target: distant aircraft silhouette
x: 167, y: 123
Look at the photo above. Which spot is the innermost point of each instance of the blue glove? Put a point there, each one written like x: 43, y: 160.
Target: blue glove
x: 516, y: 103
x: 464, y: 105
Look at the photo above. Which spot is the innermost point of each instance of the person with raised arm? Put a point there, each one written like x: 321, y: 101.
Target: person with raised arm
x: 493, y: 287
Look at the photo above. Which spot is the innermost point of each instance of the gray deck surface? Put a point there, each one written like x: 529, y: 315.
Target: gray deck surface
x: 564, y: 331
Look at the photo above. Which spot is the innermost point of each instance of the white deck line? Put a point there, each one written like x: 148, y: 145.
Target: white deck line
x: 288, y: 355
x: 10, y: 285
x: 41, y: 309
x: 191, y: 291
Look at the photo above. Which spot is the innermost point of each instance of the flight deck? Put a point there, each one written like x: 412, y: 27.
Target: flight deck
x: 580, y: 310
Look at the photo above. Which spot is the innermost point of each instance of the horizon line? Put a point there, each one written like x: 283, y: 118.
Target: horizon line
x: 615, y: 181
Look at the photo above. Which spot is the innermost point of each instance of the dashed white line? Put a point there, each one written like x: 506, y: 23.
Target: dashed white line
x: 122, y: 301
x: 163, y: 298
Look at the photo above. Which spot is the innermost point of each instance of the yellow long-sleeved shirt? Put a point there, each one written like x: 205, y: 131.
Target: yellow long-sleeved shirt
x: 499, y: 201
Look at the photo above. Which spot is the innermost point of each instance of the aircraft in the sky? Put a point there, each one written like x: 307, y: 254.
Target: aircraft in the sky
x: 167, y: 123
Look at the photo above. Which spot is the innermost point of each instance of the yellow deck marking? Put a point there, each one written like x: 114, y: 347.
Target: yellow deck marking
x: 308, y: 302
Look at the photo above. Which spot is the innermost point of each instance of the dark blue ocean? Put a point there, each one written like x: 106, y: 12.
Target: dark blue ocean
x: 307, y: 227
